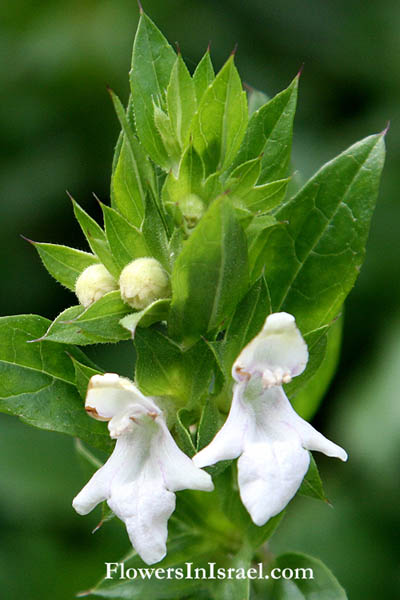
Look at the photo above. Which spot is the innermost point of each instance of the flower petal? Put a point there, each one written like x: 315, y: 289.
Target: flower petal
x: 277, y: 353
x: 145, y: 507
x: 228, y: 443
x: 179, y: 471
x: 110, y: 395
x: 269, y: 475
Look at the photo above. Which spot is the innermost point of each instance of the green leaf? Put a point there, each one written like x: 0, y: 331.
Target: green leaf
x: 126, y: 241
x: 65, y: 330
x: 152, y: 63
x: 210, y: 275
x: 255, y: 100
x: 184, y: 438
x: 247, y: 321
x: 103, y: 318
x: 96, y: 239
x: 209, y: 424
x: 322, y: 586
x: 257, y: 233
x: 269, y: 133
x: 221, y: 120
x: 308, y: 396
x: 37, y: 381
x: 99, y: 323
x: 189, y: 180
x: 162, y: 369
x: 63, y: 263
x: 181, y: 101
x: 203, y: 75
x: 312, y: 484
x: 82, y: 375
x: 155, y: 233
x: 155, y: 312
x: 124, y: 187
x: 312, y: 261
x: 133, y: 172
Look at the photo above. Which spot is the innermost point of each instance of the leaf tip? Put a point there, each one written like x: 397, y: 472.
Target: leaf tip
x: 141, y: 11
x: 300, y: 71
x: 27, y: 239
x: 99, y: 524
x: 384, y: 132
x: 83, y: 594
x: 178, y: 49
x: 209, y: 47
x: 233, y: 53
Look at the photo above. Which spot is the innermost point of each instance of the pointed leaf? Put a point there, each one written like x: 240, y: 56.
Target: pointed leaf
x: 210, y: 275
x: 134, y: 172
x: 312, y: 261
x: 155, y: 232
x: 162, y: 369
x: 221, y: 120
x: 155, y: 312
x: 203, y: 76
x: 152, y: 63
x: 63, y: 263
x: 37, y: 382
x: 270, y: 132
x: 96, y: 239
x: 312, y: 484
x: 181, y: 101
x: 82, y: 375
x: 126, y: 241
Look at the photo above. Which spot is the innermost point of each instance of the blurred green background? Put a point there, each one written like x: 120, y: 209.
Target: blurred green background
x: 58, y: 130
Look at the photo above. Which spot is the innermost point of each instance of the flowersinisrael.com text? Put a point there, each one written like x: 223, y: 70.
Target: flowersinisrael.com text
x: 115, y: 570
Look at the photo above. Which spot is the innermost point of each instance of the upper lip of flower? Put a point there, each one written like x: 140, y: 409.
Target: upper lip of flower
x: 145, y: 469
x: 262, y: 428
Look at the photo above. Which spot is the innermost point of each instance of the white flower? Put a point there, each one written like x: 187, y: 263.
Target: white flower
x: 145, y: 469
x: 262, y: 428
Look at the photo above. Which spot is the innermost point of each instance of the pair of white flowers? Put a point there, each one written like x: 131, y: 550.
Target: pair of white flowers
x: 146, y: 467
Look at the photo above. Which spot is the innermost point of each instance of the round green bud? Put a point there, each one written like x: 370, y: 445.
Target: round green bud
x: 142, y: 282
x: 192, y: 209
x: 93, y: 283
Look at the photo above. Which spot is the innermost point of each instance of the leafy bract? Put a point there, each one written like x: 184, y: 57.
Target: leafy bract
x: 63, y: 263
x: 37, y: 381
x: 96, y: 238
x: 152, y: 63
x: 126, y: 241
x: 221, y: 120
x: 99, y: 323
x: 270, y: 133
x: 312, y: 260
x: 163, y: 369
x: 203, y: 76
x: 210, y: 275
x: 133, y: 172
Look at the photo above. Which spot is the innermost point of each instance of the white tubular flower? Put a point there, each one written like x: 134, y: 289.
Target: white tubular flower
x: 142, y: 282
x: 145, y: 469
x: 262, y: 428
x: 93, y: 283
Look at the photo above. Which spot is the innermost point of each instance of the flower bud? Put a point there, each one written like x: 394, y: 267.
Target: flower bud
x: 192, y: 209
x: 93, y: 283
x: 142, y: 282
